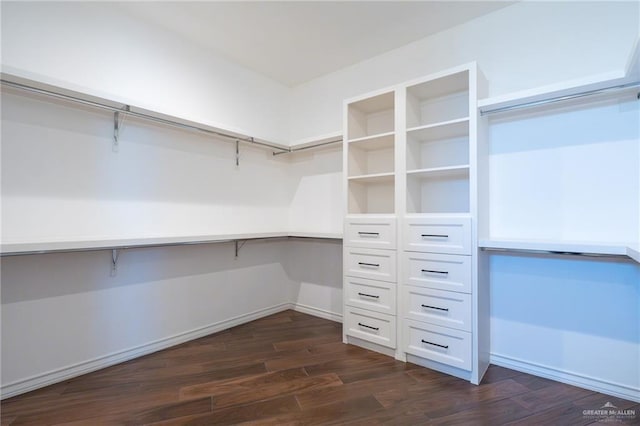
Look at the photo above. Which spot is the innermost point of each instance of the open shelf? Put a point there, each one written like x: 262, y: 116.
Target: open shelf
x: 373, y: 178
x: 371, y: 155
x: 371, y: 116
x: 438, y: 190
x: 584, y: 248
x: 439, y: 100
x: 443, y: 145
x: 43, y: 247
x: 371, y: 194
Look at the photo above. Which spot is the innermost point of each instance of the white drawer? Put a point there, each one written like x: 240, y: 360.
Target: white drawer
x: 370, y: 263
x: 439, y: 271
x: 370, y: 232
x: 371, y: 326
x: 440, y: 344
x: 377, y: 296
x: 444, y: 308
x: 438, y: 235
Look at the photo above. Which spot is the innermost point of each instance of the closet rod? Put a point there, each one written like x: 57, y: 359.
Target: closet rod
x: 125, y: 109
x: 309, y: 146
x: 560, y: 98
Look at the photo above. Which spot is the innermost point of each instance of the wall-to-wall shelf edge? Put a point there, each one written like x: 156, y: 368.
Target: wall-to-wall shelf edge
x: 43, y: 247
x: 563, y: 247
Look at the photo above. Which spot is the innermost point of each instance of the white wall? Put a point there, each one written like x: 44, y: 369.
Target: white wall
x: 63, y: 314
x: 95, y: 48
x: 61, y: 179
x: 569, y: 318
x: 526, y: 45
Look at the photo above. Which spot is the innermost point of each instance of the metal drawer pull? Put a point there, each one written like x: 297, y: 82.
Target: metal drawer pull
x: 375, y: 265
x: 368, y: 233
x: 435, y: 235
x: 368, y: 326
x: 435, y: 272
x: 368, y: 295
x: 435, y: 344
x: 435, y: 307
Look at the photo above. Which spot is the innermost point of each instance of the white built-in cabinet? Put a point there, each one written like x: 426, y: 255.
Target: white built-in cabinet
x: 410, y: 240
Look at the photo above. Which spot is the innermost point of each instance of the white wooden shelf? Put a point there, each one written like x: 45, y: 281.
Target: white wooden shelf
x: 440, y: 172
x: 584, y: 248
x: 377, y: 141
x: 559, y: 92
x: 373, y: 178
x: 442, y: 130
x: 14, y: 249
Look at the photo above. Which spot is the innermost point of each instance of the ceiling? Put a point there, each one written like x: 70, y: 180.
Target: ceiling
x: 296, y: 41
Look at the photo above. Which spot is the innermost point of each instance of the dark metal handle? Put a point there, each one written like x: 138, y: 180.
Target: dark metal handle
x: 435, y: 272
x: 368, y: 233
x: 435, y: 344
x: 435, y: 307
x: 368, y: 326
x: 375, y: 265
x: 435, y: 235
x: 368, y: 295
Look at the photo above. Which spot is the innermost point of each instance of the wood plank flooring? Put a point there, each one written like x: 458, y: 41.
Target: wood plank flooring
x: 291, y: 369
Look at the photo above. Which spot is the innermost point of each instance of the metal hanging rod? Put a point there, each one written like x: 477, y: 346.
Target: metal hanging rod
x: 560, y: 98
x: 126, y: 109
x: 303, y: 148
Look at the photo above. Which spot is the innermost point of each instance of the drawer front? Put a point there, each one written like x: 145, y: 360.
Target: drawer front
x: 370, y: 233
x: 438, y: 271
x: 434, y: 235
x: 441, y: 344
x: 370, y: 263
x: 443, y: 308
x: 371, y: 326
x: 377, y: 296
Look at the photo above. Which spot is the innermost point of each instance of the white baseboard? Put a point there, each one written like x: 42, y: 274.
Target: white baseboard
x: 317, y: 312
x: 570, y: 378
x: 59, y: 375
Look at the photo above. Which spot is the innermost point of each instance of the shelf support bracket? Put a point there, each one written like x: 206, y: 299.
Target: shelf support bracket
x: 237, y: 155
x: 239, y: 245
x: 115, y: 255
x: 116, y: 130
x: 117, y: 125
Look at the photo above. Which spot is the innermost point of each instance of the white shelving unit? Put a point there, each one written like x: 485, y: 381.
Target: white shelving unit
x: 437, y: 144
x: 444, y: 324
x: 370, y: 271
x: 370, y: 154
x: 419, y: 300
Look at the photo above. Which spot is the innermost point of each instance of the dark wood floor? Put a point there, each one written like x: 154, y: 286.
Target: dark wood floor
x: 292, y: 368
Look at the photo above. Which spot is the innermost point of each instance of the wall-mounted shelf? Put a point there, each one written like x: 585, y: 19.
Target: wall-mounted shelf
x: 44, y: 247
x: 579, y: 88
x: 580, y: 248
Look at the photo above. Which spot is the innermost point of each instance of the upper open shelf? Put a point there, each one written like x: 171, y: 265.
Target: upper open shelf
x: 370, y: 117
x: 439, y: 100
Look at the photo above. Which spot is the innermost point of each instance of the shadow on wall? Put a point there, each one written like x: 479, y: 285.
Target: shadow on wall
x: 595, y: 297
x: 315, y: 268
x: 36, y: 277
